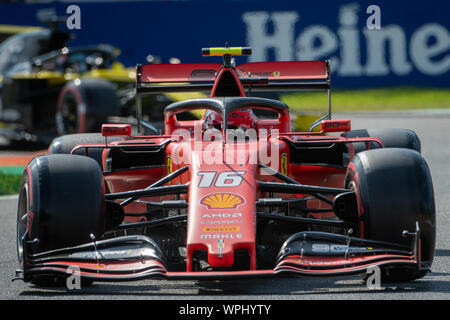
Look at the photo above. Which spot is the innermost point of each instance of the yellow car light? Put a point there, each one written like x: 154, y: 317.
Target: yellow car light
x: 221, y: 51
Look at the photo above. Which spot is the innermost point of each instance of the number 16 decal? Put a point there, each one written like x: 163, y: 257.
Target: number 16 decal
x: 224, y: 179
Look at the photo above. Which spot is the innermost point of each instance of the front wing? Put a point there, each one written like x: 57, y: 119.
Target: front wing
x: 311, y: 253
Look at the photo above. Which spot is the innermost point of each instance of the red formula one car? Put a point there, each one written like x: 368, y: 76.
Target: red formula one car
x: 234, y: 194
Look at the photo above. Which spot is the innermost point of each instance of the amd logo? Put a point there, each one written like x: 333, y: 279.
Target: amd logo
x: 427, y: 50
x: 222, y: 215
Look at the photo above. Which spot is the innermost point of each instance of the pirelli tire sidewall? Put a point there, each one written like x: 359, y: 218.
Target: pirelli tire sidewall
x: 66, y: 201
x: 394, y: 190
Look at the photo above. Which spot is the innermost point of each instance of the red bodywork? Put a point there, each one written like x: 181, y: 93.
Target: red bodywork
x: 222, y: 198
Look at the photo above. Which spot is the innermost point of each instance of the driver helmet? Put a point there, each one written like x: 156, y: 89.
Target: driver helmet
x: 244, y: 118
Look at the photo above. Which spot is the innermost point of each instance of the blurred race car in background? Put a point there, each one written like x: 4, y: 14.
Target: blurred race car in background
x: 49, y: 89
x: 7, y: 31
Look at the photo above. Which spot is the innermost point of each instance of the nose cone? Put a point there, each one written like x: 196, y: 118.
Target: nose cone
x: 222, y: 209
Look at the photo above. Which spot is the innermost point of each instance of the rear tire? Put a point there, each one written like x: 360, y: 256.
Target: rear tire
x: 85, y: 105
x: 65, y: 144
x: 391, y: 138
x: 394, y: 190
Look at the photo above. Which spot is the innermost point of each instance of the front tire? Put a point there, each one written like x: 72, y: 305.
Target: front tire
x: 394, y: 191
x: 61, y: 202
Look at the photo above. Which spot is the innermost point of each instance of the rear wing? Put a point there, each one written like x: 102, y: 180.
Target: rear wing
x: 254, y: 76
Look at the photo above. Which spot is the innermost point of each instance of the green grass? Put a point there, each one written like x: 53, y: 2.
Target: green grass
x: 9, y: 183
x: 14, y: 170
x: 401, y: 98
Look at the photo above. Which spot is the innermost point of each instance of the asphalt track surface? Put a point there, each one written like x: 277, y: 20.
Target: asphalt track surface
x: 433, y: 132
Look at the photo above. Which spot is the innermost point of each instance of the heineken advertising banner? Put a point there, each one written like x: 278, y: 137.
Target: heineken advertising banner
x: 369, y: 43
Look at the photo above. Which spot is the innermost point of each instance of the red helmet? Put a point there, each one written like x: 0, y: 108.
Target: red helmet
x: 244, y: 118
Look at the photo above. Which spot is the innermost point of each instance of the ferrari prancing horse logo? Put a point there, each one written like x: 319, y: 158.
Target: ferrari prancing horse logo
x: 169, y: 165
x: 283, y: 164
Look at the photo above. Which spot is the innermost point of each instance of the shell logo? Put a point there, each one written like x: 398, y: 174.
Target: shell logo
x: 222, y: 201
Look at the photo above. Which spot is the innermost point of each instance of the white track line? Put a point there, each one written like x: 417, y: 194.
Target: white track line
x: 9, y: 197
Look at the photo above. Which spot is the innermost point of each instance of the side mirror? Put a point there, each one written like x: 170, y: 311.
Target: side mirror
x: 335, y: 125
x: 109, y: 130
